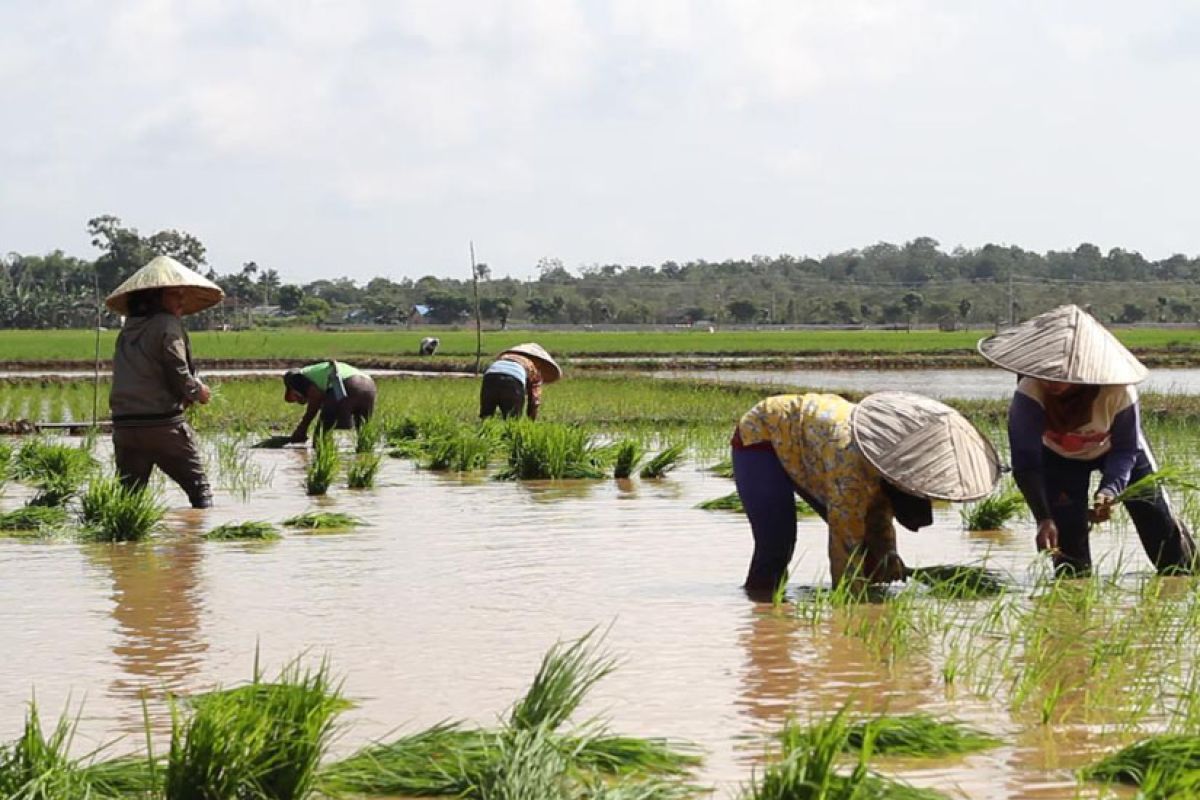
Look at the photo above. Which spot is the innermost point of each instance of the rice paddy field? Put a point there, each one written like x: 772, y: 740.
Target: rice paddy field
x: 494, y: 614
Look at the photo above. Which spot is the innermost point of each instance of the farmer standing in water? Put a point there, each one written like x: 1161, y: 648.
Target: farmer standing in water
x: 341, y: 394
x: 513, y: 382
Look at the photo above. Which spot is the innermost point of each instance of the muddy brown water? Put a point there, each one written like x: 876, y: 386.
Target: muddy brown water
x: 443, y: 606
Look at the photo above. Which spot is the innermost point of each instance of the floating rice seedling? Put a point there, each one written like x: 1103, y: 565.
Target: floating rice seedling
x: 57, y: 471
x: 109, y: 512
x: 322, y: 520
x: 243, y: 531
x: 436, y: 761
x: 917, y: 735
x: 275, y: 442
x: 960, y: 581
x: 548, y: 451
x: 992, y: 512
x: 667, y: 460
x: 1167, y: 756
x: 733, y: 502
x: 262, y: 740
x: 33, y: 518
x: 362, y: 471
x: 323, y: 463
x: 629, y: 454
x: 722, y: 469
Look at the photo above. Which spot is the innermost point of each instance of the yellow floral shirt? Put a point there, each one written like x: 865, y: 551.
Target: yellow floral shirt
x: 812, y: 438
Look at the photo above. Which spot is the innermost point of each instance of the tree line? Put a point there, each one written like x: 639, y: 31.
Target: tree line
x: 882, y: 283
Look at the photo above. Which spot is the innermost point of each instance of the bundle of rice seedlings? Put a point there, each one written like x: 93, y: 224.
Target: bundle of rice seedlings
x: 917, y: 735
x: 5, y: 463
x: 722, y: 469
x: 263, y: 740
x: 109, y: 512
x: 242, y: 531
x: 33, y: 518
x: 435, y: 761
x: 362, y: 471
x: 568, y: 671
x: 1165, y: 478
x: 733, y: 502
x: 323, y: 464
x: 368, y: 436
x: 807, y: 768
x: 273, y: 442
x: 57, y: 471
x: 664, y: 462
x: 466, y: 448
x: 40, y: 767
x: 322, y: 520
x: 960, y: 581
x: 1168, y: 756
x: 629, y: 453
x: 992, y: 512
x: 548, y: 451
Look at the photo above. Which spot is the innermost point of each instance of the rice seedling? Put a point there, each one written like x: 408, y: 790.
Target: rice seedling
x: 1167, y: 755
x: 463, y: 448
x: 33, y: 518
x: 960, y: 581
x: 435, y: 761
x: 722, y: 469
x: 275, y: 442
x: 917, y: 735
x: 57, y: 471
x: 109, y: 512
x: 733, y: 502
x: 566, y: 674
x: 323, y: 464
x: 368, y: 436
x: 362, y: 471
x: 548, y: 451
x: 263, y: 740
x: 322, y: 520
x: 243, y: 531
x: 992, y: 512
x: 667, y: 460
x: 239, y: 474
x: 629, y: 454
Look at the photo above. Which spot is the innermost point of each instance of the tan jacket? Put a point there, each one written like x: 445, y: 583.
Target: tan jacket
x: 153, y: 380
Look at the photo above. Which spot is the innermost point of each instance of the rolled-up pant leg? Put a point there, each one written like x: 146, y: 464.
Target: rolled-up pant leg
x: 1067, y: 482
x: 1165, y: 539
x: 768, y: 495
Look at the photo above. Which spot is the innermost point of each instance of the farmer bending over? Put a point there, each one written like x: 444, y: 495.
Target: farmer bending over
x: 514, y: 381
x: 858, y: 466
x: 341, y: 394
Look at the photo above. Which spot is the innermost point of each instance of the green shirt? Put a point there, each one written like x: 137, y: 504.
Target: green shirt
x: 319, y: 373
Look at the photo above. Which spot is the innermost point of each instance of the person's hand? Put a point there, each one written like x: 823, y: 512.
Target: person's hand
x: 885, y: 567
x: 1101, y: 509
x: 204, y: 395
x: 1047, y: 535
x: 298, y: 438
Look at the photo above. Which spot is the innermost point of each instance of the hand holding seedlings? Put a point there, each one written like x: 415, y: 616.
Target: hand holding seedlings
x: 1101, y: 509
x: 1047, y: 535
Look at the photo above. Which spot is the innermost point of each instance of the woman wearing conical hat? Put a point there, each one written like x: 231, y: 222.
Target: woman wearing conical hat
x: 153, y: 377
x: 1076, y: 412
x: 860, y: 466
x: 513, y: 382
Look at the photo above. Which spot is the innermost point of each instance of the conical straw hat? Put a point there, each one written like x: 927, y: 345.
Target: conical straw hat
x: 1066, y: 344
x: 551, y: 371
x: 165, y: 272
x: 924, y: 447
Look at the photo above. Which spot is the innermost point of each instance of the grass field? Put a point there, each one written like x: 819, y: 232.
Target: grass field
x: 304, y: 343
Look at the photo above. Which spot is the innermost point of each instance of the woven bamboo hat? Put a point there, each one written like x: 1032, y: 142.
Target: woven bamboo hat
x: 924, y: 447
x: 165, y: 272
x: 551, y: 371
x: 1066, y: 344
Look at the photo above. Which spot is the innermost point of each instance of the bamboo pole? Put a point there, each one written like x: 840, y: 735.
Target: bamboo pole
x: 478, y: 319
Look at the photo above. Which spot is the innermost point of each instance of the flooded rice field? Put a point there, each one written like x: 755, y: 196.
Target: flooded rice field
x: 441, y: 607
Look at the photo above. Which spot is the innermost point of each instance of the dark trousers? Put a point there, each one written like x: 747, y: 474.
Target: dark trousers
x: 769, y: 497
x: 171, y: 448
x: 352, y: 410
x: 1166, y: 541
x: 502, y: 393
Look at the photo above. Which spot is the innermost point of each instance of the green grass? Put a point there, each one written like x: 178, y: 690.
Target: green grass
x: 547, y: 451
x: 33, y: 518
x: 57, y: 471
x: 243, y: 531
x: 663, y: 462
x: 992, y: 512
x: 917, y: 735
x: 323, y: 463
x: 1165, y: 757
x: 322, y: 521
x: 109, y: 512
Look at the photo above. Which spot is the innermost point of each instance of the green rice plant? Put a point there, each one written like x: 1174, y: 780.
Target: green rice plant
x: 38, y: 766
x: 435, y: 761
x: 807, y: 768
x: 917, y: 735
x: 57, y: 471
x: 722, y: 469
x: 523, y: 764
x: 323, y: 464
x: 263, y: 740
x: 629, y: 454
x: 6, y: 455
x: 33, y: 518
x: 276, y: 442
x: 243, y: 531
x: 960, y: 581
x: 549, y: 451
x: 464, y: 448
x: 733, y: 502
x: 362, y: 471
x: 322, y: 520
x: 109, y: 512
x: 567, y: 672
x: 992, y: 512
x: 368, y: 436
x: 667, y: 460
x: 1167, y: 755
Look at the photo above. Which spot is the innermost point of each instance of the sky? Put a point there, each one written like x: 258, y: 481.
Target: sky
x: 368, y: 138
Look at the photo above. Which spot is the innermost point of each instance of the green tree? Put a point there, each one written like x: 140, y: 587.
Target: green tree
x: 742, y: 311
x: 290, y: 296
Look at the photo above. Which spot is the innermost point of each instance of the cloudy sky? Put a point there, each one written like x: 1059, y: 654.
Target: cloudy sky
x: 377, y: 137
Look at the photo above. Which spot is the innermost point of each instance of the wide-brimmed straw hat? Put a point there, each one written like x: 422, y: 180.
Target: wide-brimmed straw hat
x: 551, y: 371
x: 924, y: 447
x: 1066, y: 344
x: 165, y: 272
